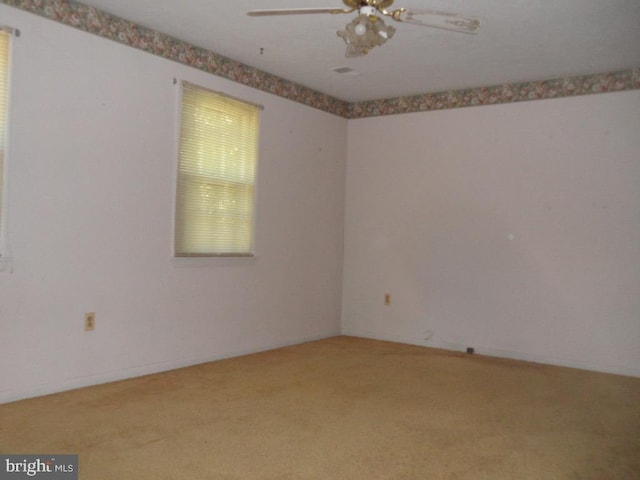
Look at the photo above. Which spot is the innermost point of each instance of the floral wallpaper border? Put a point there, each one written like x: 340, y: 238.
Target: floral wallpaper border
x: 92, y: 20
x: 499, y: 94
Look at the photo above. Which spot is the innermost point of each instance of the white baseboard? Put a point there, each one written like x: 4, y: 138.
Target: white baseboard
x: 435, y: 342
x: 7, y: 396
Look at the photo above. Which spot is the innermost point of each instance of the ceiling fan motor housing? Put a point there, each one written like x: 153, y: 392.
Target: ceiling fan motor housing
x: 377, y: 4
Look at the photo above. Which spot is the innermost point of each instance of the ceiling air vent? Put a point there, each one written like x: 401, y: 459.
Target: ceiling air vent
x: 345, y: 71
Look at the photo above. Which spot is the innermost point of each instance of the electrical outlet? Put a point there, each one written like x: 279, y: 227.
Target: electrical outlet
x: 89, y: 321
x: 387, y: 299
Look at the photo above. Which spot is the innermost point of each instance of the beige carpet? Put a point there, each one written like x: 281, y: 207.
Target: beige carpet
x: 342, y: 408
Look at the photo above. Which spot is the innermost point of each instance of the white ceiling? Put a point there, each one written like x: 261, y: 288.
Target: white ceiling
x: 522, y: 40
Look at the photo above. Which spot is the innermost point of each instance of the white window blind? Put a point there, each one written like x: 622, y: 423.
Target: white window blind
x: 4, y: 75
x: 216, y: 175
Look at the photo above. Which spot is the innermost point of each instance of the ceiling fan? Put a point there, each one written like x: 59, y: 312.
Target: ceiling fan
x: 368, y: 29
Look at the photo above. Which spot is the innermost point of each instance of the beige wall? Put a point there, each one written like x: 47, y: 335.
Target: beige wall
x: 91, y: 179
x: 514, y: 229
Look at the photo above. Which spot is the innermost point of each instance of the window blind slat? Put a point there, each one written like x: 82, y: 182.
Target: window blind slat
x: 216, y: 174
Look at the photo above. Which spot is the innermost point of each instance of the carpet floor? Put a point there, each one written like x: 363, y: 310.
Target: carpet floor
x: 342, y: 408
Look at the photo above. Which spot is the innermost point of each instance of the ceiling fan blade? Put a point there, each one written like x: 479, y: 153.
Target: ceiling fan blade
x: 446, y: 21
x: 295, y: 11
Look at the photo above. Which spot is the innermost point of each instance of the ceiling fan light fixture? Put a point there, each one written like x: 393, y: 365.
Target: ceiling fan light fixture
x: 365, y: 32
x: 386, y: 32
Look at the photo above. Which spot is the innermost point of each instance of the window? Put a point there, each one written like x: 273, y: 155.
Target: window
x: 216, y: 175
x: 5, y: 38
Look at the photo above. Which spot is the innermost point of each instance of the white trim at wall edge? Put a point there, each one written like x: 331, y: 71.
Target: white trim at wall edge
x: 7, y: 396
x: 495, y: 352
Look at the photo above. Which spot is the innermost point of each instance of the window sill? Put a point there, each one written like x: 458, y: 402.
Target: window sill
x: 203, y: 262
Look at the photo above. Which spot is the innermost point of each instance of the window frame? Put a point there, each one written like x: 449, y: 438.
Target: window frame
x: 198, y: 258
x: 5, y: 254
